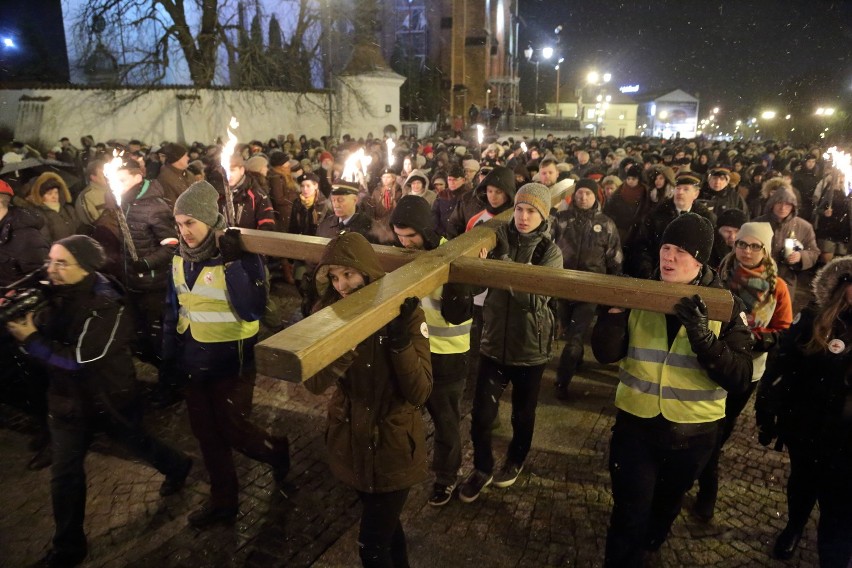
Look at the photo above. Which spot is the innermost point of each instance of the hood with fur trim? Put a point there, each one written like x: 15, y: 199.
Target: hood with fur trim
x: 832, y: 274
x: 35, y: 197
x: 769, y: 186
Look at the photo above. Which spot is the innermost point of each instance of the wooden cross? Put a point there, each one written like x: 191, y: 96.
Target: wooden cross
x: 305, y: 348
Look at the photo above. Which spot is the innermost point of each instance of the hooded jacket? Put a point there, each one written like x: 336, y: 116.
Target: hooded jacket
x: 476, y: 201
x: 792, y: 226
x: 57, y: 224
x: 427, y: 194
x: 518, y: 327
x: 375, y: 435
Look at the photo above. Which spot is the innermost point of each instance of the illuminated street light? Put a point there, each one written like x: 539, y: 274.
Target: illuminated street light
x: 788, y: 117
x: 8, y: 42
x: 739, y: 122
x: 664, y: 115
x: 607, y: 77
x: 768, y: 114
x: 592, y: 77
x: 716, y: 110
x: 547, y: 53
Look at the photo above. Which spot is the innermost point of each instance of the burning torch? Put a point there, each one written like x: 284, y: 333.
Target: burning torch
x: 391, y: 146
x: 115, y: 186
x: 225, y: 161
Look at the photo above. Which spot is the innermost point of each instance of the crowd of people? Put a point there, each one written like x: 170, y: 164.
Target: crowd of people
x: 144, y: 264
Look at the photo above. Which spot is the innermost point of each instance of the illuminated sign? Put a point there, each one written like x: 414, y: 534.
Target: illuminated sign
x: 629, y: 89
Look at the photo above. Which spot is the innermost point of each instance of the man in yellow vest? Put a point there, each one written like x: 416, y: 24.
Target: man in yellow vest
x: 676, y: 371
x: 448, y: 311
x: 216, y: 296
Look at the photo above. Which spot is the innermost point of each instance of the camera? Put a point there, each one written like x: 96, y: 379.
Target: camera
x: 23, y: 296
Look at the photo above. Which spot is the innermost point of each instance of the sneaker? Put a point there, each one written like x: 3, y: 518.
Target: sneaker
x: 508, y: 474
x: 441, y: 494
x: 474, y: 484
x: 174, y: 483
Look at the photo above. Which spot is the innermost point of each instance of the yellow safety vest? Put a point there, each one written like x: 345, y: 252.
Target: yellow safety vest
x: 657, y: 379
x: 444, y: 337
x: 205, y: 309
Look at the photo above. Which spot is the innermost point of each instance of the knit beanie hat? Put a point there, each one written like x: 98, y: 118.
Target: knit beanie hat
x: 731, y: 218
x: 414, y: 212
x: 587, y: 183
x: 760, y: 231
x: 277, y: 158
x: 256, y: 163
x: 201, y: 201
x: 471, y: 165
x: 173, y: 152
x: 693, y: 233
x: 538, y: 196
x: 6, y: 189
x: 88, y: 252
x: 326, y: 156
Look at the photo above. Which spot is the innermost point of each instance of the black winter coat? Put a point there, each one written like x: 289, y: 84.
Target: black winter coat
x: 588, y: 241
x: 22, y: 246
x: 83, y: 340
x: 150, y: 220
x: 810, y: 395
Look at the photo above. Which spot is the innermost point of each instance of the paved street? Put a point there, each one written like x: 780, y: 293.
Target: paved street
x: 556, y: 515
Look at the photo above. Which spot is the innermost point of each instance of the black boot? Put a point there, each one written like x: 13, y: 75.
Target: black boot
x: 787, y: 543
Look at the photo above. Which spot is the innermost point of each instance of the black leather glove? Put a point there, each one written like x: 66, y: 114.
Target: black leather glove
x: 397, y: 328
x: 229, y: 245
x: 140, y: 266
x: 765, y: 341
x: 692, y: 313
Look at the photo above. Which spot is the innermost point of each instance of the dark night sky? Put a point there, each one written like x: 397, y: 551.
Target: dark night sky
x: 741, y: 55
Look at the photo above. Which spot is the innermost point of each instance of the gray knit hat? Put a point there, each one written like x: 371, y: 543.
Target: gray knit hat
x: 201, y: 201
x: 537, y: 195
x: 760, y: 231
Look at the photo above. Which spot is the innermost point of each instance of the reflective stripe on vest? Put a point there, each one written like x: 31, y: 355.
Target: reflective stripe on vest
x: 657, y: 379
x: 205, y: 310
x: 444, y: 337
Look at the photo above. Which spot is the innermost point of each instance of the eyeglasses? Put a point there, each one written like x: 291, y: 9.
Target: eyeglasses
x: 753, y: 247
x: 58, y: 264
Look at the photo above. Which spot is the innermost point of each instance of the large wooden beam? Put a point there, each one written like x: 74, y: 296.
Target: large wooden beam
x: 623, y: 292
x: 305, y: 348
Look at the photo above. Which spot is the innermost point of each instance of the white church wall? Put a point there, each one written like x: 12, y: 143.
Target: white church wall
x: 188, y: 115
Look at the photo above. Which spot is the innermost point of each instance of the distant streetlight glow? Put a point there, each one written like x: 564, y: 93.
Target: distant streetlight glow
x: 592, y: 77
x: 788, y: 117
x: 664, y: 114
x: 8, y: 42
x: 768, y: 114
x: 547, y: 52
x: 716, y: 110
x: 607, y: 77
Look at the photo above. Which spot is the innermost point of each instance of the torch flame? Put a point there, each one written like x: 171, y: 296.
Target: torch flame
x: 229, y: 148
x: 842, y: 162
x: 111, y: 174
x: 480, y: 133
x: 356, y: 163
x: 524, y: 147
x: 391, y: 146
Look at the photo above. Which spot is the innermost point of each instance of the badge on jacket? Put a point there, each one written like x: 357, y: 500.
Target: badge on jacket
x: 424, y: 330
x: 836, y: 346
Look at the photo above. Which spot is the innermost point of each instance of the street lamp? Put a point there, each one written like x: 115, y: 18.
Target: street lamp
x: 547, y: 53
x: 558, y: 63
x: 768, y: 114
